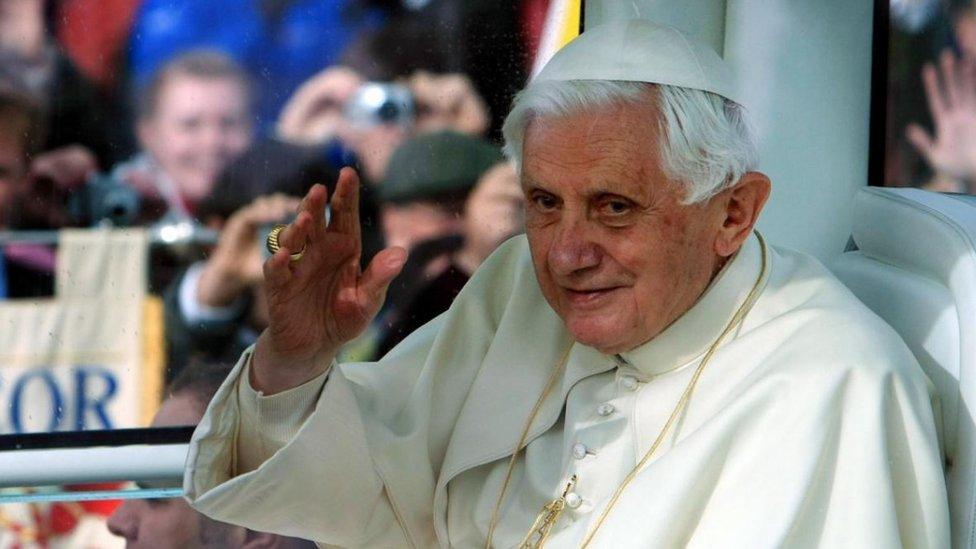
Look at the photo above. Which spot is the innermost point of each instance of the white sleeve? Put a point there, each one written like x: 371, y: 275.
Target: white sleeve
x: 268, y: 423
x: 304, y: 471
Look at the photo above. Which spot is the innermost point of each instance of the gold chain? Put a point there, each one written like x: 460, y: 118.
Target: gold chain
x: 543, y: 524
x: 525, y: 433
x: 550, y: 513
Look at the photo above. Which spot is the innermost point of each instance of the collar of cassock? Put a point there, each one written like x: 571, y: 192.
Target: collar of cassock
x: 689, y: 337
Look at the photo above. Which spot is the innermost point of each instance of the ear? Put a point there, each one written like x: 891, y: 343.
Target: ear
x: 260, y: 540
x: 742, y: 204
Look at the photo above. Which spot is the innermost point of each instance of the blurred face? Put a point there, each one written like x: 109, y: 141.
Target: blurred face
x: 170, y: 523
x: 199, y: 126
x: 616, y: 254
x: 13, y: 174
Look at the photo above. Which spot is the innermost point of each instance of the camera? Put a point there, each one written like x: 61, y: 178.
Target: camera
x: 377, y: 103
x: 104, y: 199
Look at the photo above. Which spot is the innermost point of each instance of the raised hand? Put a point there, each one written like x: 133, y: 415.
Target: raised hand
x: 314, y: 114
x: 324, y: 299
x: 951, y: 94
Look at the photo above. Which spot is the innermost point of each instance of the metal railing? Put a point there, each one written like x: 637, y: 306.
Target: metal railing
x: 163, y: 234
x: 153, y: 458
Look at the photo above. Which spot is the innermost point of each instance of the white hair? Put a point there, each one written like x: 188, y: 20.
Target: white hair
x: 707, y: 142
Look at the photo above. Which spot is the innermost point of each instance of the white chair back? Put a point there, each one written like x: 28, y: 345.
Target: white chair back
x: 915, y: 266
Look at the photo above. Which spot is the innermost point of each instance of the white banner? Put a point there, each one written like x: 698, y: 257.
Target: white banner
x: 78, y: 362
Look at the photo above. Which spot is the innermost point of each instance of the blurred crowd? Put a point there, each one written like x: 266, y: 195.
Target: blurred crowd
x: 221, y: 114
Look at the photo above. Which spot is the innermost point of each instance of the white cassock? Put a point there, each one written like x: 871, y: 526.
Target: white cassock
x: 811, y: 426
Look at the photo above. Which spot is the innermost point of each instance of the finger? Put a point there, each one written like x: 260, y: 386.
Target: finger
x: 920, y: 139
x: 384, y: 267
x: 277, y: 271
x: 345, y: 205
x: 950, y: 78
x: 298, y: 234
x: 314, y: 203
x: 967, y: 84
x: 313, y: 207
x: 933, y: 92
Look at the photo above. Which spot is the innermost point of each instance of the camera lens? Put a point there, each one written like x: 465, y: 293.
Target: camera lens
x: 389, y: 111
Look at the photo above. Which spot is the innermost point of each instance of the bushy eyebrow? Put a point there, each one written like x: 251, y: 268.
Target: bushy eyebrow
x: 600, y: 190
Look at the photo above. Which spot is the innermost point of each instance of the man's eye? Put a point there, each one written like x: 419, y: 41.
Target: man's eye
x: 544, y: 201
x: 616, y: 207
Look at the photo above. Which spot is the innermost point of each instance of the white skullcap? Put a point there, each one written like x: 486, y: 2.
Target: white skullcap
x: 638, y: 50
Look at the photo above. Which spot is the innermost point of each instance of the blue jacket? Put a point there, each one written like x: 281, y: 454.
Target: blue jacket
x: 309, y: 36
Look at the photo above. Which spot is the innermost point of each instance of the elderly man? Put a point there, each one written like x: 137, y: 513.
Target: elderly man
x: 642, y: 370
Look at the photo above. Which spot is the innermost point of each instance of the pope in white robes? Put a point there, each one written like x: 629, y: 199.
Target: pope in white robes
x: 640, y: 370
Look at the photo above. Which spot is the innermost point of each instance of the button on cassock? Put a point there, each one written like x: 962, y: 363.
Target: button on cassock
x: 579, y: 450
x: 629, y: 383
x: 605, y: 409
x: 573, y: 500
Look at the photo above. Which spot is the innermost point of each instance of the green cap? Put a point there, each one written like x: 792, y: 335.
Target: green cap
x: 436, y: 164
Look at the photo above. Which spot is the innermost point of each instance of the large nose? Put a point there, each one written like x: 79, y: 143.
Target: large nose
x: 124, y: 522
x: 573, y: 249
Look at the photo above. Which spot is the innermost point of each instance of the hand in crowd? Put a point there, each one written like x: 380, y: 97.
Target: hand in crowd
x: 236, y: 262
x: 314, y: 113
x: 53, y: 175
x: 324, y: 299
x: 68, y: 167
x: 448, y: 102
x: 950, y: 90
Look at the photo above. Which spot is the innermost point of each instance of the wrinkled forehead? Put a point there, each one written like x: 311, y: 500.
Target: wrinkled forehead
x: 609, y: 145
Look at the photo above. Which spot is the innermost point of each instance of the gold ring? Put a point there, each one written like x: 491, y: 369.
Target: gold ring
x: 274, y: 246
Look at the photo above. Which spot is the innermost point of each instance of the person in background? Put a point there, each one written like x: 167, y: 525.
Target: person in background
x: 339, y: 111
x: 74, y: 111
x: 477, y: 39
x: 950, y: 150
x: 194, y: 118
x: 22, y: 272
x: 280, y: 43
x: 424, y: 201
x: 492, y: 214
x: 950, y: 91
x: 428, y: 180
x: 962, y: 15
x: 158, y: 523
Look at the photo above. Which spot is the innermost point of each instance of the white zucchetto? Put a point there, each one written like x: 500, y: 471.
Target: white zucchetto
x: 638, y: 50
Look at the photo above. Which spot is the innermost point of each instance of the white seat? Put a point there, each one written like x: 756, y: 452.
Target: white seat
x: 915, y: 266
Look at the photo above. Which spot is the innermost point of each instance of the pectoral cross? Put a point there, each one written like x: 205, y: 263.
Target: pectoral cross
x: 547, y: 518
